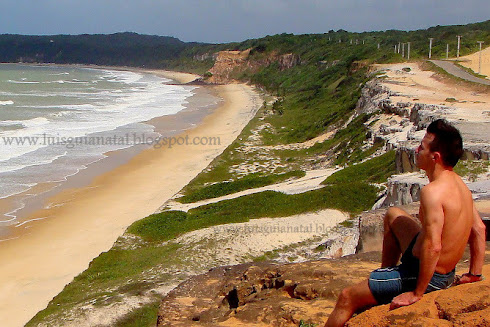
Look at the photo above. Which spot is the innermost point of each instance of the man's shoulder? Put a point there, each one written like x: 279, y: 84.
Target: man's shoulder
x: 429, y: 197
x: 445, y: 191
x: 431, y: 189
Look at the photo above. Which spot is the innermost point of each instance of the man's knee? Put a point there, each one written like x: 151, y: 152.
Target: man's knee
x: 345, y: 298
x: 392, y: 214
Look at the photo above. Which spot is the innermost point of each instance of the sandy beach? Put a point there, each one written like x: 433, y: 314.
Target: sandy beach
x: 83, y: 222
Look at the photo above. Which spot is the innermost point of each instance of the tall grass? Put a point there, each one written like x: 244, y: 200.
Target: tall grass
x: 245, y: 183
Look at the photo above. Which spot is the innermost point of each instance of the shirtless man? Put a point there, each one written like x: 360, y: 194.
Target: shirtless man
x: 449, y: 221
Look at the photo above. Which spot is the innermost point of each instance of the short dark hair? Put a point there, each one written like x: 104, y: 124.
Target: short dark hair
x: 447, y: 141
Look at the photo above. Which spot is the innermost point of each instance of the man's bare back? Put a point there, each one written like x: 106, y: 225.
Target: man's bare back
x: 449, y: 196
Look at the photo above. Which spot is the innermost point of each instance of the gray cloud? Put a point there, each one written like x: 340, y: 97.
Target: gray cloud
x: 232, y: 20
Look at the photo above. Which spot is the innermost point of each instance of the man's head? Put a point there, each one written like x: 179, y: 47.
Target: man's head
x: 442, y: 141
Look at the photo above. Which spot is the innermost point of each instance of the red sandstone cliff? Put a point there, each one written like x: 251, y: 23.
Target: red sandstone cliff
x: 230, y: 64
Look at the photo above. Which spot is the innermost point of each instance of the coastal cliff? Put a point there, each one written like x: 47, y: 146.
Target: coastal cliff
x: 399, y: 119
x: 292, y: 294
x: 229, y: 65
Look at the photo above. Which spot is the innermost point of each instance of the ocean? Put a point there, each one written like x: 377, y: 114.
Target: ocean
x: 57, y: 120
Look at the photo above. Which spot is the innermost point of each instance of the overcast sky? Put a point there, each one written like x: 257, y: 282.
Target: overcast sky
x: 232, y: 20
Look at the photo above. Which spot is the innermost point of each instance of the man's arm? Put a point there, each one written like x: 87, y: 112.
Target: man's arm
x: 431, y: 246
x: 430, y: 250
x: 477, y: 250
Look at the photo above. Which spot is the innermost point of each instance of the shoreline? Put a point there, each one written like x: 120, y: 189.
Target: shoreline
x: 39, y: 264
x: 203, y: 101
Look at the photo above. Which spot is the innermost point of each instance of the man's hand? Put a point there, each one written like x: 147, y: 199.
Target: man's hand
x: 467, y: 278
x: 404, y: 299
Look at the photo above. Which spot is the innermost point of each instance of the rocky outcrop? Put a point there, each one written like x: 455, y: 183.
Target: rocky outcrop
x: 229, y: 64
x: 371, y: 227
x: 405, y: 159
x: 206, y: 56
x: 463, y: 305
x: 262, y: 294
x: 404, y: 189
x: 477, y: 153
x: 271, y: 294
x: 378, y: 98
x: 288, y: 60
x: 401, y: 125
x: 225, y: 64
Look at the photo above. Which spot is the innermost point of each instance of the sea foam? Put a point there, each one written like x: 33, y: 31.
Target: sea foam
x: 55, y: 104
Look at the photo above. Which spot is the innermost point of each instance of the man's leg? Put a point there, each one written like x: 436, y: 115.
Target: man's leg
x: 399, y: 231
x: 350, y: 300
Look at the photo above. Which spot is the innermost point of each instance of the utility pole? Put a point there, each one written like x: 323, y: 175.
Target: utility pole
x: 459, y: 44
x: 408, y: 50
x: 479, y: 65
x: 447, y: 50
x: 430, y: 47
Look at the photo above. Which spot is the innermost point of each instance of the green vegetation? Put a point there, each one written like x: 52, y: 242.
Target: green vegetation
x: 145, y: 316
x: 376, y: 170
x: 131, y: 49
x: 245, y: 183
x: 269, y: 255
x: 469, y: 70
x: 347, y: 223
x: 304, y: 324
x: 119, y: 271
x: 449, y: 77
x: 347, y: 143
x: 118, y: 49
x: 108, y: 276
x: 352, y: 197
x: 472, y: 168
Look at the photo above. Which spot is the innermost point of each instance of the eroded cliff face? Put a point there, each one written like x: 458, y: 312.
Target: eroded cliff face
x: 401, y: 126
x: 229, y: 64
x: 226, y: 63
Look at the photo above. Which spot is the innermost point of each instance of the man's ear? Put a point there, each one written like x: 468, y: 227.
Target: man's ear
x: 436, y: 156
